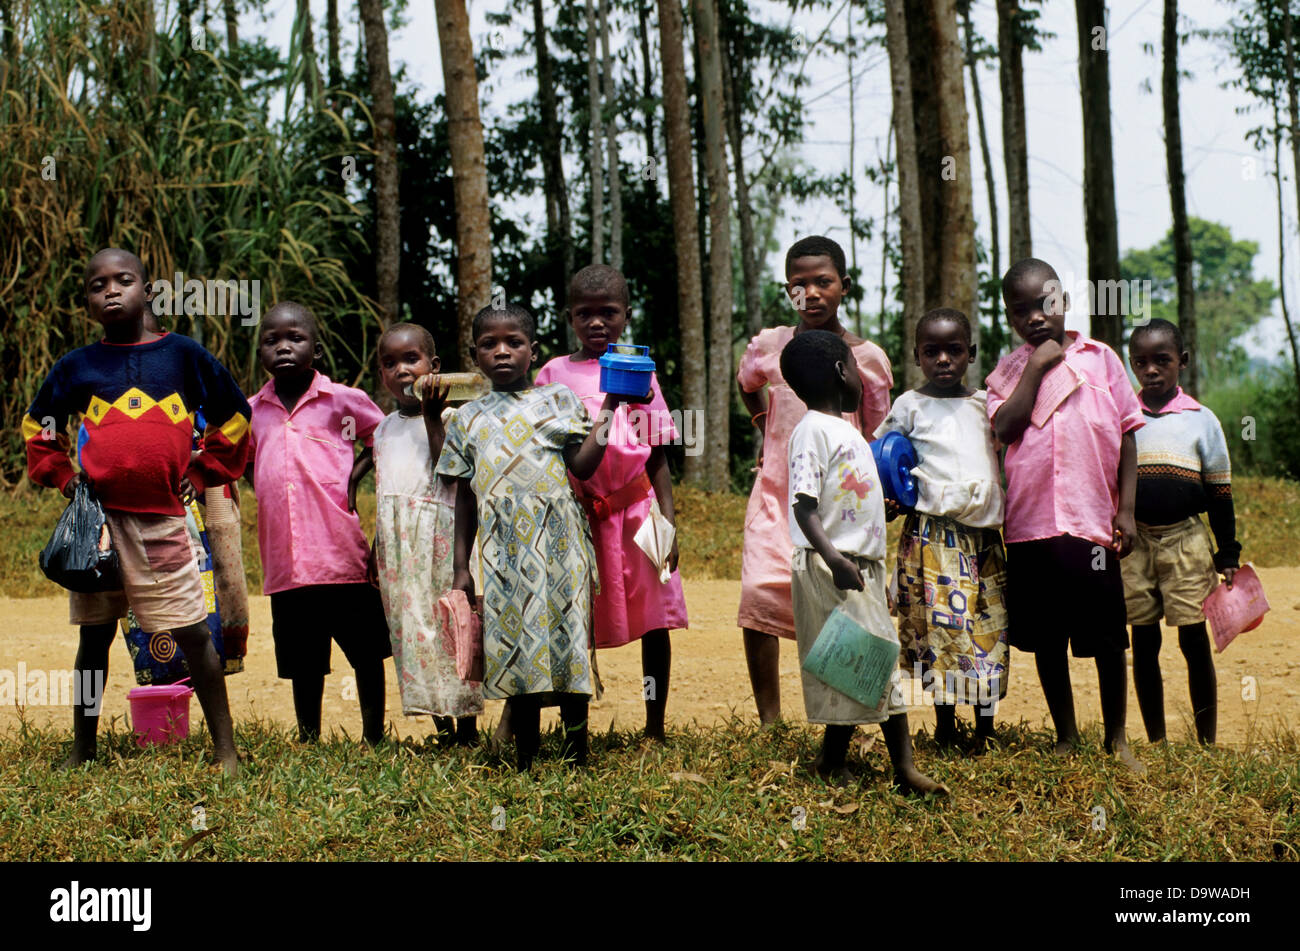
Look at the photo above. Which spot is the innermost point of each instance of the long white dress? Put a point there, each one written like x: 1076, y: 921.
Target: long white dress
x: 415, y: 521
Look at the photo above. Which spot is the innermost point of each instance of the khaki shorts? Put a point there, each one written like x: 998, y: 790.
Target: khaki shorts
x: 160, y: 576
x: 1169, y: 573
x: 814, y: 596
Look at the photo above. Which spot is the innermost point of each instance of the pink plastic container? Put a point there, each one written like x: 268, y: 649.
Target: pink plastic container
x: 161, y: 715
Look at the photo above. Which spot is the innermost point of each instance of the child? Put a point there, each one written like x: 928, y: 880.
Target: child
x: 135, y: 391
x: 1182, y: 470
x: 1070, y: 491
x: 507, y: 453
x: 414, y: 527
x: 632, y: 602
x: 837, y: 526
x: 951, y: 565
x: 313, y: 552
x: 815, y: 282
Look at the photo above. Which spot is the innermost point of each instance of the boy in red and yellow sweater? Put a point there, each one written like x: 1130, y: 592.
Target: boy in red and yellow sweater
x: 136, y: 392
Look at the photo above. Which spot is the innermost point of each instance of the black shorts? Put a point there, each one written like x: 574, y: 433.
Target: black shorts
x: 304, y: 619
x: 1065, y: 589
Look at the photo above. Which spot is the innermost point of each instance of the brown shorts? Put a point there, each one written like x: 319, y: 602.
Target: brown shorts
x: 1169, y: 574
x: 160, y: 576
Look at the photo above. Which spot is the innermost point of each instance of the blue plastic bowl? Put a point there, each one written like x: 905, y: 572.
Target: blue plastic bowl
x: 625, y: 370
x: 895, y: 459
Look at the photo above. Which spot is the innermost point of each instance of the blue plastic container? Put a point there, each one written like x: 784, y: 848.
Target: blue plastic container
x: 625, y: 370
x: 895, y: 459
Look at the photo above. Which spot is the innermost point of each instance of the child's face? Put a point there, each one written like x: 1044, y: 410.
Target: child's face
x: 943, y: 352
x: 287, y: 346
x: 1036, y: 307
x: 402, y: 360
x: 1156, y: 363
x: 598, y: 320
x: 504, y: 353
x: 116, y: 292
x: 816, y: 289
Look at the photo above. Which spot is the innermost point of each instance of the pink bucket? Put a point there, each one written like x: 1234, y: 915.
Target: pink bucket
x: 161, y: 714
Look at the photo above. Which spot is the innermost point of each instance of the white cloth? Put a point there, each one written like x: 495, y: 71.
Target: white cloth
x: 956, y: 469
x: 832, y: 463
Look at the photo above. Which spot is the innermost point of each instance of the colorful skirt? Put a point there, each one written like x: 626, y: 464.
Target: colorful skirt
x: 952, y: 610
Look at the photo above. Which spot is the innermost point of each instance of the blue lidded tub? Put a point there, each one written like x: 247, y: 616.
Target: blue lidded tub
x: 625, y: 370
x: 895, y: 460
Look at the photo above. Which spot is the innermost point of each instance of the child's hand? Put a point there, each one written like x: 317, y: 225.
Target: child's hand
x: 464, y: 581
x: 672, y: 556
x: 1228, y: 575
x: 75, y: 481
x: 1046, y: 355
x: 891, y: 510
x: 372, y: 568
x: 186, y: 491
x: 1125, y: 533
x: 433, y: 400
x: 847, y: 575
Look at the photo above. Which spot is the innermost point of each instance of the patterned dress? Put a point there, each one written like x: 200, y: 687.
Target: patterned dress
x: 415, y: 518
x: 535, y: 544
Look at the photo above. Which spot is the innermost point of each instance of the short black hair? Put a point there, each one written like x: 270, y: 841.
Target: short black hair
x: 1025, y: 266
x: 427, y: 346
x: 808, y: 364
x: 130, y: 256
x: 944, y: 313
x: 816, y: 246
x: 599, y: 279
x: 296, y: 311
x: 1154, y: 326
x: 507, y: 311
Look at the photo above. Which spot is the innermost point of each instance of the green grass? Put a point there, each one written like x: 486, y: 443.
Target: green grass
x: 730, y: 794
x: 712, y: 531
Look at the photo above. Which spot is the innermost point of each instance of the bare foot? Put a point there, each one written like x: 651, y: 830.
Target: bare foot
x: 1066, y: 747
x: 654, y: 736
x: 229, y: 763
x: 912, y: 781
x: 76, y: 758
x: 1125, y: 756
x: 946, y: 739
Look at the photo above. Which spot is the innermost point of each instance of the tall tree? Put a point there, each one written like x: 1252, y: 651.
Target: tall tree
x: 957, y: 269
x: 910, y: 237
x: 732, y: 83
x: 647, y: 95
x: 851, y: 51
x: 718, y: 439
x: 387, y: 205
x: 468, y: 169
x: 611, y: 144
x: 973, y: 57
x: 1101, y: 225
x: 594, y: 135
x: 1015, y: 147
x: 1177, y: 197
x: 311, y: 73
x: 232, y: 24
x: 681, y: 196
x: 334, y: 62
x: 559, y: 228
x: 1293, y: 98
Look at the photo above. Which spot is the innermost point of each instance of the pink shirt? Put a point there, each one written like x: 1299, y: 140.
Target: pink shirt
x: 301, y: 462
x: 1063, y: 479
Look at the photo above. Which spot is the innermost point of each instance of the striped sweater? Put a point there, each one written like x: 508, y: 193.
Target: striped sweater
x: 138, y: 403
x: 1183, y: 469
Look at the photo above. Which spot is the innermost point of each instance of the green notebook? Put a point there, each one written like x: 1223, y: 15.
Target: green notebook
x: 849, y: 658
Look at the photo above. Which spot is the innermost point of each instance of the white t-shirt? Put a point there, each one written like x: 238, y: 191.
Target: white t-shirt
x: 832, y: 463
x: 956, y: 466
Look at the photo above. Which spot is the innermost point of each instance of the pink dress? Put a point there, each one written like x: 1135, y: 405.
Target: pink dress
x: 631, y: 601
x: 765, y: 562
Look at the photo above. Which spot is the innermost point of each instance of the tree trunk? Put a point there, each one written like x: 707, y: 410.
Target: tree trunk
x: 910, y: 236
x: 1293, y: 110
x: 559, y: 233
x: 1015, y: 148
x: 611, y: 146
x: 720, y: 305
x: 468, y: 168
x: 957, y: 266
x: 1177, y: 197
x: 594, y: 133
x: 1281, y: 243
x: 332, y: 46
x: 1100, y: 224
x: 681, y: 196
x: 735, y: 133
x: 309, y: 53
x: 884, y: 228
x: 853, y: 177
x: 232, y: 24
x: 647, y: 100
x: 995, y: 251
x: 387, y: 206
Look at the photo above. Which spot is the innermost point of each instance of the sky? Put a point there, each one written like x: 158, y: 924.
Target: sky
x: 1227, y: 181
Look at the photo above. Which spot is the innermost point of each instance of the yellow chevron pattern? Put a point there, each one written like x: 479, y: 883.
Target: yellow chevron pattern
x: 135, y: 403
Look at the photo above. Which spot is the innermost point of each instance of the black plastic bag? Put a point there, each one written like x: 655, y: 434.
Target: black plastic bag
x: 73, y: 557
